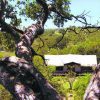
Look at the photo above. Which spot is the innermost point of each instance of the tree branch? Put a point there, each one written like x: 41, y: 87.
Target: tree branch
x: 12, y: 83
x: 52, y: 8
x: 4, y: 26
x: 2, y: 8
x: 18, y: 30
x: 45, y: 9
x: 17, y: 65
x: 9, y: 29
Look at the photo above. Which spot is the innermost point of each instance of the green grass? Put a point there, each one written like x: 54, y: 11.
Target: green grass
x: 6, y: 54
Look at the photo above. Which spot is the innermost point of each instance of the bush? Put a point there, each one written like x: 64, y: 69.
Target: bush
x: 4, y: 94
x: 60, y: 83
x: 80, y: 85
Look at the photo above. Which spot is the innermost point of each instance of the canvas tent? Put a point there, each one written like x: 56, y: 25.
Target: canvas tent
x: 61, y: 60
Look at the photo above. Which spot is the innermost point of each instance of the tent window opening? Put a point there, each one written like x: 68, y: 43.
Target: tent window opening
x: 59, y: 68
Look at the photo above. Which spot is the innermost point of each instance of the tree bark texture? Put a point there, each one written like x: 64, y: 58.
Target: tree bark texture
x: 93, y: 90
x: 11, y: 81
x: 19, y: 72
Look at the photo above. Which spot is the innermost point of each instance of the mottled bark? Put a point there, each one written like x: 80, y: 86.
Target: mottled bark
x: 25, y: 67
x: 10, y: 80
x: 93, y: 90
x: 18, y: 74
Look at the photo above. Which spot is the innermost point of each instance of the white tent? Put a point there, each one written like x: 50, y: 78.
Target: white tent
x: 54, y: 60
x: 60, y: 60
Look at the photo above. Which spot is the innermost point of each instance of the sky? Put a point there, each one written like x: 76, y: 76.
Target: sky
x: 77, y: 7
x: 91, y: 6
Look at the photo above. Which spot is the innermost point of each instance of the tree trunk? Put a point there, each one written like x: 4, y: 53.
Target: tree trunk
x: 23, y: 69
x: 18, y: 74
x: 24, y: 81
x: 12, y: 83
x: 93, y: 90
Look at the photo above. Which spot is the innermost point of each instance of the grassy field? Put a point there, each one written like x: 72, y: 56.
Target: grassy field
x: 6, y: 54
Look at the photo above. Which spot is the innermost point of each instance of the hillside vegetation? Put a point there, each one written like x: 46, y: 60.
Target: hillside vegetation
x: 81, y: 43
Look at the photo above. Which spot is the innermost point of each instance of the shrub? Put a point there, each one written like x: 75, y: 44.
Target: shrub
x: 80, y: 85
x: 4, y: 94
x: 60, y: 83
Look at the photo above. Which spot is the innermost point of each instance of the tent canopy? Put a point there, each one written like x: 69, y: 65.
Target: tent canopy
x: 60, y: 60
